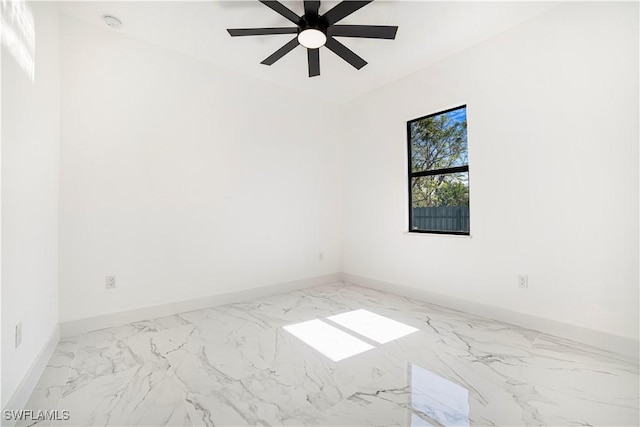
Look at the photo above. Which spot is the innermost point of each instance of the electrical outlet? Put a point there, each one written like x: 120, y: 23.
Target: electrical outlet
x: 18, y: 334
x: 110, y: 282
x: 320, y: 256
x: 523, y: 281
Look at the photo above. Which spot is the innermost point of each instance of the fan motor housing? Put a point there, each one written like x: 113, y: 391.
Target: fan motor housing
x: 313, y: 22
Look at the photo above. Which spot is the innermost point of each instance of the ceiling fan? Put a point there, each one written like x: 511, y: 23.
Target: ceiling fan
x: 314, y: 31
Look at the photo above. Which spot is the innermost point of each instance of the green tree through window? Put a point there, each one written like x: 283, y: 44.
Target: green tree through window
x: 439, y: 173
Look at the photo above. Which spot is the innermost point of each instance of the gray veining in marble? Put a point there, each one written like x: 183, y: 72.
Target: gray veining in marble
x: 236, y: 365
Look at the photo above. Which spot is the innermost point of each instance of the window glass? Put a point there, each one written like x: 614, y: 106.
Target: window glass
x: 439, y: 173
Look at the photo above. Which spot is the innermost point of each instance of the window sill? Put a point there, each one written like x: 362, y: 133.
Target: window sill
x: 426, y: 233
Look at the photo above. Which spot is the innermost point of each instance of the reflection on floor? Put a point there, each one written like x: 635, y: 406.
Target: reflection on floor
x: 334, y: 355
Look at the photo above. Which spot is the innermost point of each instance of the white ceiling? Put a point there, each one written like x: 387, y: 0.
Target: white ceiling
x: 428, y: 32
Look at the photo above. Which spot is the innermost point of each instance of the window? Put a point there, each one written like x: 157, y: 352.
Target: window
x: 439, y: 173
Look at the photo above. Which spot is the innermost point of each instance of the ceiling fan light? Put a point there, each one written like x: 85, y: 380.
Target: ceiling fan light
x: 312, y: 38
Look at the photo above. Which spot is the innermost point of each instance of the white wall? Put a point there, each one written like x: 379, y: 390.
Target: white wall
x: 184, y: 179
x: 30, y: 153
x: 552, y: 110
x: 1, y: 55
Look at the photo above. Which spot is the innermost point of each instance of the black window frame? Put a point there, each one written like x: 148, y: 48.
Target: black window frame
x: 432, y: 172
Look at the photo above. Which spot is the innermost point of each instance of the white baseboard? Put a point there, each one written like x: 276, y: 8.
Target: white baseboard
x: 618, y: 344
x: 20, y: 397
x: 76, y: 327
x: 615, y: 343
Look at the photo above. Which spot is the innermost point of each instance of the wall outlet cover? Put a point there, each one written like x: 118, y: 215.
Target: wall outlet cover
x: 523, y: 281
x: 18, y: 334
x: 110, y: 282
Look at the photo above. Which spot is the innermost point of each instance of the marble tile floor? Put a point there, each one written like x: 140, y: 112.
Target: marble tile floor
x: 397, y: 362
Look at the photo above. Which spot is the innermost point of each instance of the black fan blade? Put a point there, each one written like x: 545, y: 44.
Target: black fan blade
x: 311, y: 8
x: 366, y: 31
x: 235, y: 32
x: 345, y: 53
x: 344, y: 9
x: 282, y: 10
x: 313, y: 55
x: 281, y: 52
